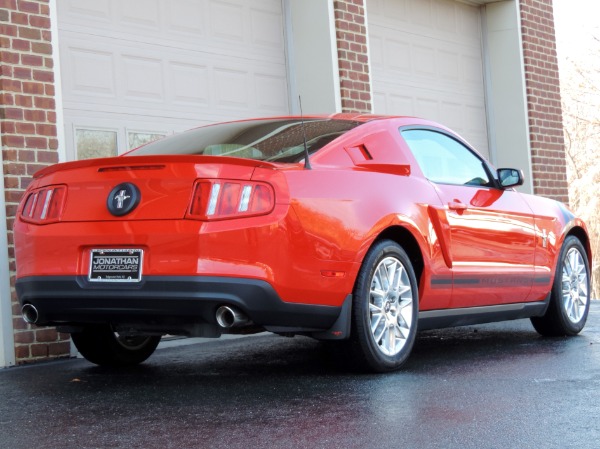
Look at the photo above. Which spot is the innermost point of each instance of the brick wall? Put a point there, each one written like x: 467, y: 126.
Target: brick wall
x: 543, y: 100
x: 28, y: 124
x: 353, y: 59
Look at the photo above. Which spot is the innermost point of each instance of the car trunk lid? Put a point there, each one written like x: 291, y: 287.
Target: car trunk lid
x: 164, y: 184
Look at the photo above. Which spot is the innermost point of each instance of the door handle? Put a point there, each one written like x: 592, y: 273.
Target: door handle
x: 457, y: 206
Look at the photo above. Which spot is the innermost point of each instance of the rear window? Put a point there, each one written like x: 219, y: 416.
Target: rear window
x: 280, y: 140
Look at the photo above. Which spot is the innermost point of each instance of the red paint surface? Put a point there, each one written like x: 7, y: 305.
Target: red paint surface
x: 324, y: 220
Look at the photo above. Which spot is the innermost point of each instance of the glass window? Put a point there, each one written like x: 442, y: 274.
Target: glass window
x: 445, y: 160
x: 92, y: 143
x: 280, y: 140
x: 138, y: 138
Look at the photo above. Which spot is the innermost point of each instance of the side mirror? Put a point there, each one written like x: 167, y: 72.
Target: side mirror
x: 510, y: 177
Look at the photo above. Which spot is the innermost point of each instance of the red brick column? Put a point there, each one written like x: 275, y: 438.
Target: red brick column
x: 28, y: 124
x: 353, y: 59
x: 543, y: 100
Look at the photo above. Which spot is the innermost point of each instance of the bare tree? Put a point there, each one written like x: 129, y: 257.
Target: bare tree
x: 580, y: 89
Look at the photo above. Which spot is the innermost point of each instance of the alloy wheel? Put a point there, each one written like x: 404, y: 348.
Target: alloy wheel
x: 574, y: 285
x: 390, y: 306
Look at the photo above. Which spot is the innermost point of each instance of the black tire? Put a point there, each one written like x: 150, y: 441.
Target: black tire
x: 100, y: 345
x: 570, y: 296
x: 394, y: 314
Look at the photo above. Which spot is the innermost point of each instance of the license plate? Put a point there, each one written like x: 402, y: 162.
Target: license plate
x: 116, y: 265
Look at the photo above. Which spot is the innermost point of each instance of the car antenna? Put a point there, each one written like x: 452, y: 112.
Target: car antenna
x: 306, y: 160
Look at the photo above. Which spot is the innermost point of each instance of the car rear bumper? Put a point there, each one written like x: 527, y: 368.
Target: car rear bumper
x: 166, y: 302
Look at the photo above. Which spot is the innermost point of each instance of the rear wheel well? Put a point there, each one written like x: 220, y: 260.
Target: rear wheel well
x: 407, y: 241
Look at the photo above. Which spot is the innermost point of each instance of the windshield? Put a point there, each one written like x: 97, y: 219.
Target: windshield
x: 280, y: 140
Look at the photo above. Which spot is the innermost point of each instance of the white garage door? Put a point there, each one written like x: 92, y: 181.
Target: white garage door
x: 426, y: 58
x: 135, y: 70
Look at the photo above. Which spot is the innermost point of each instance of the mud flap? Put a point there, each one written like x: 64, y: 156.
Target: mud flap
x: 341, y: 328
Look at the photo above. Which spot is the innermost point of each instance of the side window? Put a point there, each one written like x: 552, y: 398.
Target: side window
x: 445, y: 160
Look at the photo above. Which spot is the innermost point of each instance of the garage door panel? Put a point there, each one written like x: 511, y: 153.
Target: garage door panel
x: 231, y: 88
x: 271, y: 93
x: 400, y: 102
x: 448, y: 20
x: 469, y: 20
x: 251, y: 30
x: 172, y: 87
x: 88, y: 10
x: 137, y: 64
x: 89, y: 72
x: 417, y: 55
x: 453, y: 114
x: 395, y: 11
x: 190, y: 84
x: 185, y: 17
x: 446, y: 17
x: 449, y: 65
x: 466, y: 116
x: 427, y: 107
x: 426, y: 58
x: 397, y: 56
x: 421, y: 12
x: 266, y: 29
x: 140, y: 13
x: 143, y: 79
x: 227, y: 21
x: 424, y: 61
x: 473, y: 73
x: 475, y: 120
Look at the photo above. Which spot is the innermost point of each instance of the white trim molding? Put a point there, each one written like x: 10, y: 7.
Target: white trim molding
x: 508, y: 122
x: 7, y: 341
x: 58, y: 97
x: 312, y: 58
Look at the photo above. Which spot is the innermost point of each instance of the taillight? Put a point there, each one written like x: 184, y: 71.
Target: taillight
x: 224, y: 199
x: 44, y: 205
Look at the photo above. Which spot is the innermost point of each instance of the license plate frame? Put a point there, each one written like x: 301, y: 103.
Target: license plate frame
x: 116, y: 265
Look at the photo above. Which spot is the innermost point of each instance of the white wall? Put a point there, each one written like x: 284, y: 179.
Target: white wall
x: 7, y: 347
x: 312, y: 56
x: 505, y: 89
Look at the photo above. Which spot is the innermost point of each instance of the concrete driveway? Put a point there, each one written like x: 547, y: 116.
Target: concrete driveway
x: 490, y: 386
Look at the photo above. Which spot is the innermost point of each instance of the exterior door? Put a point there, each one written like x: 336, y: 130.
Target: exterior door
x: 491, y: 234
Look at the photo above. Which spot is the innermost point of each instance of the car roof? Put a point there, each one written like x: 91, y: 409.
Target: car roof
x: 402, y: 120
x: 350, y: 116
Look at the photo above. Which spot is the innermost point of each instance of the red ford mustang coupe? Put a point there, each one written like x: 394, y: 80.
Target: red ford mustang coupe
x: 360, y: 229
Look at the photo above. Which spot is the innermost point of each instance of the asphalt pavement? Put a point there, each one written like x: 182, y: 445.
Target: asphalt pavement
x: 489, y: 386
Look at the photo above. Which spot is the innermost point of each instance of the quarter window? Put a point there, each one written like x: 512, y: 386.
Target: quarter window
x: 444, y: 160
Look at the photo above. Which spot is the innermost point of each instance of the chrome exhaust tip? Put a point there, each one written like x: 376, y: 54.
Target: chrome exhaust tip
x: 30, y: 313
x: 228, y: 317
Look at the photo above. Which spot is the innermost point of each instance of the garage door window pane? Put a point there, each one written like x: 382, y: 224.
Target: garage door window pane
x: 91, y: 143
x: 137, y: 139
